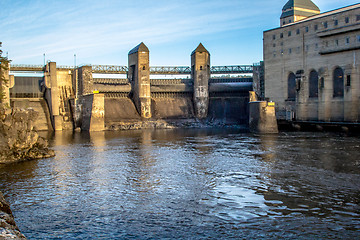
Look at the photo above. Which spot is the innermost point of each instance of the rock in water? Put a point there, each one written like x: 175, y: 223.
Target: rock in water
x: 8, y: 228
x: 18, y: 139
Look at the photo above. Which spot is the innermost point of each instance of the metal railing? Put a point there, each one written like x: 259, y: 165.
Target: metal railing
x: 153, y: 70
x: 231, y: 69
x: 109, y: 69
x: 170, y: 70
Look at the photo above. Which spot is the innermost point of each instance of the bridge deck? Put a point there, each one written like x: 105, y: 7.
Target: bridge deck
x: 161, y: 70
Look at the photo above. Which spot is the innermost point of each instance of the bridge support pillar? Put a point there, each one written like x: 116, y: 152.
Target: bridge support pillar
x: 139, y: 76
x: 200, y: 73
x: 53, y: 96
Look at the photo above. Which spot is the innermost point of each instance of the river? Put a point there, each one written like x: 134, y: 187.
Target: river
x: 189, y: 184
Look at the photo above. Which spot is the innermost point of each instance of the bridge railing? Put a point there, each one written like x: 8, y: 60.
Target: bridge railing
x: 231, y: 69
x: 153, y: 70
x: 26, y: 67
x: 170, y: 70
x: 109, y: 69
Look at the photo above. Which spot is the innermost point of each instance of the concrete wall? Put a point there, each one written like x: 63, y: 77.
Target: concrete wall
x: 172, y: 108
x: 318, y: 44
x: 42, y: 123
x: 93, y: 112
x: 120, y: 109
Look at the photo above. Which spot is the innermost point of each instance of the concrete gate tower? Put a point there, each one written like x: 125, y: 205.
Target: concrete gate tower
x: 139, y: 76
x: 200, y: 73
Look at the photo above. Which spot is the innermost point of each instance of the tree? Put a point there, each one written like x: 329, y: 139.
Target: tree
x: 4, y: 64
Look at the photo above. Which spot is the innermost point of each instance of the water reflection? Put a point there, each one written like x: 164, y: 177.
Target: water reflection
x: 189, y: 184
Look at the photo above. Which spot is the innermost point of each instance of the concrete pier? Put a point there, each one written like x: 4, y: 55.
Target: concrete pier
x: 262, y: 117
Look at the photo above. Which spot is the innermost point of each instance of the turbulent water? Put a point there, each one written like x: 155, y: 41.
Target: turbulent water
x: 189, y: 184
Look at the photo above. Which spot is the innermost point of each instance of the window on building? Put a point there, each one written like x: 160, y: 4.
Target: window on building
x: 306, y: 29
x: 297, y: 31
x: 307, y: 48
x: 336, y: 22
x: 289, y: 20
x: 357, y: 17
x: 338, y: 82
x: 274, y: 45
x: 348, y: 80
x: 347, y: 40
x: 144, y: 67
x: 291, y: 87
x: 346, y: 19
x: 281, y: 35
x: 358, y: 38
x: 284, y: 22
x: 313, y: 84
x: 322, y: 82
x: 336, y: 42
x: 289, y: 33
x: 201, y: 68
x: 290, y: 50
x: 274, y: 37
x: 326, y: 44
x: 325, y: 24
x: 316, y: 46
x: 316, y: 27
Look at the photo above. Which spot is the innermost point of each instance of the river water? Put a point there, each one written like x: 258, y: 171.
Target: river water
x: 189, y: 184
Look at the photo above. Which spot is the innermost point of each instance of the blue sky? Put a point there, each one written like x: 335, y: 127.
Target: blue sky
x: 103, y: 32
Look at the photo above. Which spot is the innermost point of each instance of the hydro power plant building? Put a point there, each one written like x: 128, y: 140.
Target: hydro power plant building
x: 312, y: 63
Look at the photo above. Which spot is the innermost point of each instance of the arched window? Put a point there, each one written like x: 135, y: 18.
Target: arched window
x: 291, y: 87
x: 338, y: 80
x: 313, y: 84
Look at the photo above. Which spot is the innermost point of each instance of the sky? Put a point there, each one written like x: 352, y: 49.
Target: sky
x: 104, y: 31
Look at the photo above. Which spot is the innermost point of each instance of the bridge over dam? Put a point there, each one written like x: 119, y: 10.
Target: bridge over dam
x: 101, y: 97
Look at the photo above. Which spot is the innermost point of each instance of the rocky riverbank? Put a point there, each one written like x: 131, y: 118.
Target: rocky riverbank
x: 18, y: 139
x: 8, y: 228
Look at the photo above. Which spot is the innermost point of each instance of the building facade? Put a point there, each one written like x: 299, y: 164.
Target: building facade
x: 312, y: 63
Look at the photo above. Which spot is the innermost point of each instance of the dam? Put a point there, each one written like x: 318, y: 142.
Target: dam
x: 105, y: 97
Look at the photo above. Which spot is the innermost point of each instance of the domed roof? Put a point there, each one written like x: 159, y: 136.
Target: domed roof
x: 307, y: 4
x: 304, y: 8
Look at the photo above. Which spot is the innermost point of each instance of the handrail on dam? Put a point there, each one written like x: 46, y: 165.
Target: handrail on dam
x: 153, y: 70
x: 170, y: 70
x: 232, y: 69
x: 109, y: 69
x: 26, y: 67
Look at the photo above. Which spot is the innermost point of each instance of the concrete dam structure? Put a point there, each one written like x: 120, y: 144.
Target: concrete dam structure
x: 96, y: 98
